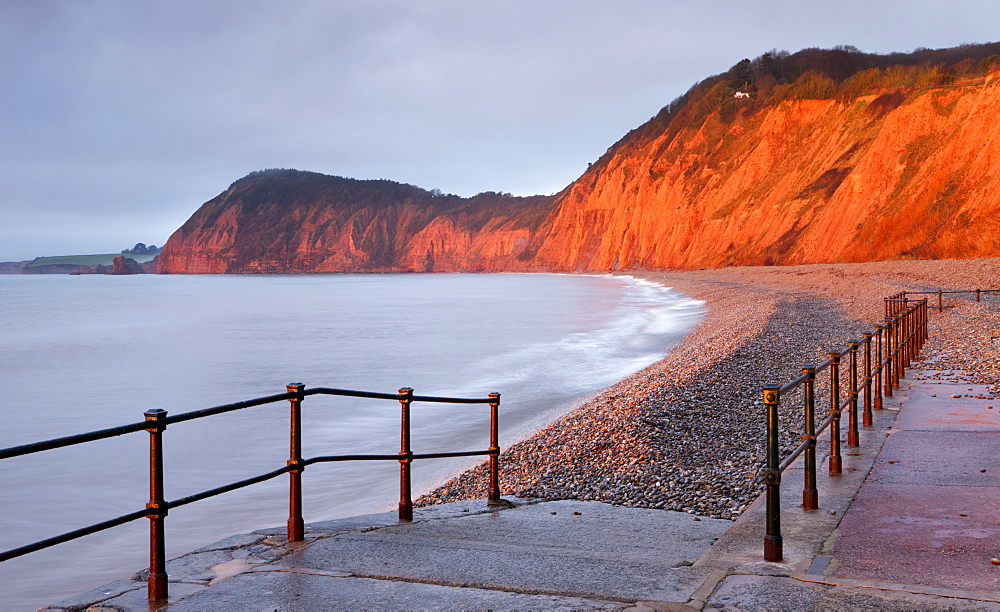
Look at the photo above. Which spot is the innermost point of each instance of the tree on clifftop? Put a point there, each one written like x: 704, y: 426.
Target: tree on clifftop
x: 142, y: 249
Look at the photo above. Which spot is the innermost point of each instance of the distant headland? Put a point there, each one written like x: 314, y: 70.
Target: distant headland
x: 140, y: 259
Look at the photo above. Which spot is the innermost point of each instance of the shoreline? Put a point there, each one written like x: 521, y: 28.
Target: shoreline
x: 685, y: 433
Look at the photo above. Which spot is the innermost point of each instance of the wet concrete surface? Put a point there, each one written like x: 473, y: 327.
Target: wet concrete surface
x: 929, y: 514
x: 465, y: 555
x: 780, y: 593
x: 585, y: 549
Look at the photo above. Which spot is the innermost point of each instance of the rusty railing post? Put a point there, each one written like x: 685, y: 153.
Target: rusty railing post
x: 494, y: 487
x: 925, y: 320
x: 157, y: 582
x: 887, y: 361
x: 877, y: 371
x: 897, y: 351
x: 923, y: 325
x: 894, y: 353
x: 835, y: 459
x: 902, y: 346
x: 940, y: 302
x: 405, y: 456
x: 810, y: 494
x: 904, y: 343
x: 977, y: 296
x: 296, y: 526
x: 772, y: 479
x: 867, y: 412
x: 853, y: 437
x: 907, y: 336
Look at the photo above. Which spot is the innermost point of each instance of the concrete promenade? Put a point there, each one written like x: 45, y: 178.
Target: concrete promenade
x: 912, y: 523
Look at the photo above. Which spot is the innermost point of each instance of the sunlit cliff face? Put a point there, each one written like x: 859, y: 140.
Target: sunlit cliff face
x: 900, y: 174
x: 289, y: 221
x: 808, y: 181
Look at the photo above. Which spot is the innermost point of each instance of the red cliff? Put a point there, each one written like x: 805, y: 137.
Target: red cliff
x: 883, y: 163
x: 804, y: 181
x: 292, y: 221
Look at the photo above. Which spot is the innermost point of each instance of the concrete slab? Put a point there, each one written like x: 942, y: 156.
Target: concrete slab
x: 99, y: 594
x: 302, y: 591
x: 368, y: 522
x: 939, y: 458
x: 586, y: 549
x: 931, y: 406
x: 99, y: 600
x: 777, y: 593
x: 930, y: 512
x: 560, y: 554
x: 582, y: 526
x: 929, y: 535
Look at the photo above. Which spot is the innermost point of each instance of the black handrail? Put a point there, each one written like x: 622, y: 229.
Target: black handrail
x: 156, y: 422
x: 90, y: 436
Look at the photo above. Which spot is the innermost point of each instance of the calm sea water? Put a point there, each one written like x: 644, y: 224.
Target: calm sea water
x: 86, y: 352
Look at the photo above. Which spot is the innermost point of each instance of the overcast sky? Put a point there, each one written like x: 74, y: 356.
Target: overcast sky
x: 119, y: 118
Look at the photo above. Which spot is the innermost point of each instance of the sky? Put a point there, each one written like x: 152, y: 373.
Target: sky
x: 119, y: 118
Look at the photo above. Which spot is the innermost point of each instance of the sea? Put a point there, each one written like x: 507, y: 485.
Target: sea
x: 80, y: 353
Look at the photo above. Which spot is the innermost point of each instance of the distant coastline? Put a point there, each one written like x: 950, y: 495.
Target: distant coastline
x: 77, y: 264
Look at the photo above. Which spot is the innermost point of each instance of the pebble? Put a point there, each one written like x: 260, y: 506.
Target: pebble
x: 687, y: 433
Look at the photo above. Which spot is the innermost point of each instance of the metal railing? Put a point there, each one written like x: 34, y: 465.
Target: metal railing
x: 897, y: 341
x: 157, y: 508
x: 885, y: 353
x: 940, y: 295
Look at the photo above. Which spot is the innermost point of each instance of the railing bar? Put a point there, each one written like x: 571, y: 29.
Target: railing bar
x: 229, y: 487
x: 450, y: 400
x: 794, y: 384
x: 936, y: 292
x: 395, y: 396
x: 350, y: 393
x: 458, y: 454
x: 101, y: 434
x: 197, y: 414
x: 72, y: 535
x: 795, y: 454
x: 91, y: 436
x: 329, y: 458
x: 823, y: 425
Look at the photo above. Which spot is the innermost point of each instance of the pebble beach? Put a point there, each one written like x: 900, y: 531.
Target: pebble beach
x: 687, y: 433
